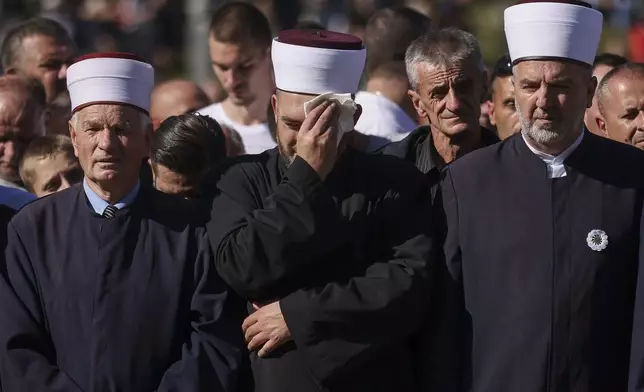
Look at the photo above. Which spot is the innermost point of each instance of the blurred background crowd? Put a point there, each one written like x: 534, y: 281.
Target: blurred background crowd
x: 172, y: 34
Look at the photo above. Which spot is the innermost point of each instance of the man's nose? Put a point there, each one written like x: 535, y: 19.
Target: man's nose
x: 544, y: 97
x: 64, y: 183
x: 106, y: 139
x: 454, y: 102
x: 8, y: 150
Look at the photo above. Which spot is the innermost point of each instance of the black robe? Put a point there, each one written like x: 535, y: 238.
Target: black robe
x: 348, y: 259
x: 129, y: 304
x: 6, y: 213
x: 531, y: 307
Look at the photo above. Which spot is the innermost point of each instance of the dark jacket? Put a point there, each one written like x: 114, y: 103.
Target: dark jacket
x: 418, y: 147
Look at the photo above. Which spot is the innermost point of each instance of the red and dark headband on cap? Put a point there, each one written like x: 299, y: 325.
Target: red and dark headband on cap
x: 110, y: 78
x: 572, y: 2
x: 110, y: 55
x: 317, y: 62
x: 320, y: 39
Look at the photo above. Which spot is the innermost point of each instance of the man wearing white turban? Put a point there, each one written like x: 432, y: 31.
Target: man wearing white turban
x: 543, y: 236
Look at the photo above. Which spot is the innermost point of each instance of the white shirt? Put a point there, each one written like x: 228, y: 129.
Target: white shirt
x: 382, y: 119
x: 555, y: 163
x: 256, y: 138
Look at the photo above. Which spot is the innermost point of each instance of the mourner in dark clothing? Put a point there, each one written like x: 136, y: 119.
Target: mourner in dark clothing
x: 543, y: 237
x: 445, y: 68
x: 109, y: 285
x: 343, y: 246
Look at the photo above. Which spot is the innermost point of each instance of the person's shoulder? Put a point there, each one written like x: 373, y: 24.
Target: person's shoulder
x: 614, y: 162
x: 388, y: 168
x: 14, y: 197
x: 402, y: 148
x: 248, y: 163
x: 241, y: 170
x: 619, y: 154
x: 172, y: 212
x: 36, y: 210
x: 483, y: 157
x: 212, y: 110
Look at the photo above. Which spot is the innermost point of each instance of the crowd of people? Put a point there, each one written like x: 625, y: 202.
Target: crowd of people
x: 357, y: 214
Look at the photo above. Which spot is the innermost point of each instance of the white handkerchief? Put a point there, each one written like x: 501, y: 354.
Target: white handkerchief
x: 347, y: 109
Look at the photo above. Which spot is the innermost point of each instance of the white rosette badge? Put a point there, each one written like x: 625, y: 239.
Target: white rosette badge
x: 597, y: 240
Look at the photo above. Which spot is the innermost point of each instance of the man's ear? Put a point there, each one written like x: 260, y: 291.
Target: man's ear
x: 591, y: 92
x: 72, y: 135
x: 275, y: 106
x: 490, y: 111
x: 601, y: 124
x: 418, y: 103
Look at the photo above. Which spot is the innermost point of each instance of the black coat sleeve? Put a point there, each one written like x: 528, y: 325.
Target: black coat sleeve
x: 342, y: 325
x: 442, y: 343
x: 211, y: 357
x: 636, y: 377
x: 259, y: 243
x: 27, y: 355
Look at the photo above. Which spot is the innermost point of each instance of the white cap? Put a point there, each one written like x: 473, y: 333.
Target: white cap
x: 553, y: 30
x: 110, y: 78
x: 309, y: 62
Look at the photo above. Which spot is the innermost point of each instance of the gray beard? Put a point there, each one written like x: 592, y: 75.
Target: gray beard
x: 288, y: 161
x: 540, y: 135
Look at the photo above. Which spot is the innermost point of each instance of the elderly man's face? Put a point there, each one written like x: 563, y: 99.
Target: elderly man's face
x: 623, y: 118
x: 243, y: 70
x: 110, y: 142
x: 450, y: 97
x: 551, y: 98
x: 503, y: 111
x: 46, y: 59
x: 21, y: 120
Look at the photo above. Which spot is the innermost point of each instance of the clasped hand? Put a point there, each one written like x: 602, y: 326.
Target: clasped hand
x: 266, y: 329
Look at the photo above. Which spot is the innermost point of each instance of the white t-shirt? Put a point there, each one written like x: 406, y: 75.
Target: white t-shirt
x: 256, y: 138
x: 382, y: 120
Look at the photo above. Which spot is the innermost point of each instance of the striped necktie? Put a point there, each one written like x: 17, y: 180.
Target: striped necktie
x: 110, y: 212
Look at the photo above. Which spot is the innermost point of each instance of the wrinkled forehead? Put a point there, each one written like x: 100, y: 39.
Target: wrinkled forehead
x: 291, y: 105
x: 627, y: 85
x: 549, y: 69
x: 441, y: 72
x: 108, y: 114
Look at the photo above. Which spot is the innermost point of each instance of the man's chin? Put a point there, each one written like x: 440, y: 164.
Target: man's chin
x: 457, y: 129
x: 241, y: 100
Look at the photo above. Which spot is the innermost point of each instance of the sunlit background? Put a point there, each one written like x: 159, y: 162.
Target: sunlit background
x: 172, y: 34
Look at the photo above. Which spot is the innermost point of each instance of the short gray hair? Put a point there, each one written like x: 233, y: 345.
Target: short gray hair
x: 442, y: 48
x: 144, y: 118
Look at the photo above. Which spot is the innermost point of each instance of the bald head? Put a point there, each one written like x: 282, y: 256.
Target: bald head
x: 624, y: 73
x: 620, y: 99
x: 176, y: 97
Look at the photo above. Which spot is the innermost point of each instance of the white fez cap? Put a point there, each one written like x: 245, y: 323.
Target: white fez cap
x: 120, y: 78
x: 317, y: 62
x: 553, y: 30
